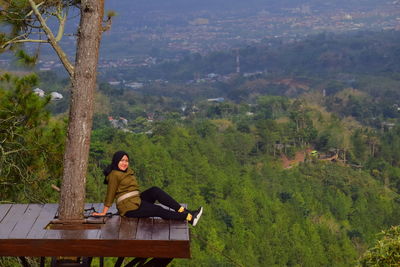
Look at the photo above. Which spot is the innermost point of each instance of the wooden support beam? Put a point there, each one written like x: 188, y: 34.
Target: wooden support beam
x: 119, y: 262
x: 158, y: 262
x: 136, y: 261
x: 24, y: 262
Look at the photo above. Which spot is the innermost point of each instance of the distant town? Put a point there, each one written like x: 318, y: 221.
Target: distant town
x: 148, y: 38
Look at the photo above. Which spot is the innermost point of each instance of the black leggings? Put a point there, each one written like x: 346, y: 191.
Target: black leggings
x: 149, y: 209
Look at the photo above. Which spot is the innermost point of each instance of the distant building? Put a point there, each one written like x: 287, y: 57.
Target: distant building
x: 348, y: 17
x: 39, y: 92
x: 195, y: 109
x: 217, y: 100
x: 56, y: 96
x: 387, y: 125
x: 123, y: 121
x: 114, y: 82
x: 251, y: 74
x: 114, y: 123
x: 200, y: 21
x: 135, y: 85
x: 150, y: 117
x: 150, y: 61
x: 119, y: 123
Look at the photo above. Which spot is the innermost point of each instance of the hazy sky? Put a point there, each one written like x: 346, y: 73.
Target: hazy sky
x: 127, y: 5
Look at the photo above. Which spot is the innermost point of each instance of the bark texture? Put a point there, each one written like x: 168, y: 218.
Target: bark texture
x: 76, y: 154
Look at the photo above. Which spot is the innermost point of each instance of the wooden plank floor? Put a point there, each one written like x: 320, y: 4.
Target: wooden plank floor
x: 23, y: 233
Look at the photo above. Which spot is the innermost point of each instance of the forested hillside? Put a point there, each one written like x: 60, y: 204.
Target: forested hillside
x: 227, y: 154
x: 317, y: 214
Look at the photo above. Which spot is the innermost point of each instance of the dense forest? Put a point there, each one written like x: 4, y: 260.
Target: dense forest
x: 230, y: 156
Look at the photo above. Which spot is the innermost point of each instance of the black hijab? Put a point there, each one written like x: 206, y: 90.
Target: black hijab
x: 114, y: 164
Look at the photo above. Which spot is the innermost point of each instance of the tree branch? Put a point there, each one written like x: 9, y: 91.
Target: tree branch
x: 13, y: 40
x: 62, y: 19
x: 25, y: 41
x: 14, y: 151
x: 32, y: 25
x: 52, y: 40
x: 37, y: 6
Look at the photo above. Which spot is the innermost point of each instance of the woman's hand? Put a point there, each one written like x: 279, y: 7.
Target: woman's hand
x: 103, y: 213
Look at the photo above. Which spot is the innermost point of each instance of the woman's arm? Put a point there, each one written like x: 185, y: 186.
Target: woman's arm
x: 111, y: 189
x: 104, y: 212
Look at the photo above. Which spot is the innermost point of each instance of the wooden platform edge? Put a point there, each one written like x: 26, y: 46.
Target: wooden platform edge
x: 94, y: 248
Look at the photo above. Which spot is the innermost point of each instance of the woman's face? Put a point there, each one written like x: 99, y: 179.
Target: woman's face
x: 123, y: 163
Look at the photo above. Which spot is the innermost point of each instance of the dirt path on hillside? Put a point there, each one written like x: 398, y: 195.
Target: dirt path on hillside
x: 299, y: 157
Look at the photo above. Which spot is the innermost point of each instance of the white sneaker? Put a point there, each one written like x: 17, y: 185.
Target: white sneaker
x: 196, y: 216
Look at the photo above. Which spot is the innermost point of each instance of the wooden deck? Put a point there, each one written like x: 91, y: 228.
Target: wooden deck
x: 23, y: 233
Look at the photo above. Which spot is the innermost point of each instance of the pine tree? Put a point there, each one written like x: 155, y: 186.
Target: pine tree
x: 31, y: 143
x: 25, y: 18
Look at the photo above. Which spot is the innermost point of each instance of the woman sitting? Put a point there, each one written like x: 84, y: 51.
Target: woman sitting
x: 122, y: 185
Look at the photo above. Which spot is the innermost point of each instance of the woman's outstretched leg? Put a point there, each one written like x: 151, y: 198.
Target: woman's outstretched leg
x: 155, y: 193
x: 148, y: 209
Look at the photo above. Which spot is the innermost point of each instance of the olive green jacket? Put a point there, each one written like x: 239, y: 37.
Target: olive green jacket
x: 120, y: 183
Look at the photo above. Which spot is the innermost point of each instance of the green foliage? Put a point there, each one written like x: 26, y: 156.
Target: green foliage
x: 318, y: 214
x: 21, y: 22
x: 111, y: 13
x: 226, y: 156
x: 272, y: 107
x: 385, y: 252
x: 31, y: 144
x: 25, y: 59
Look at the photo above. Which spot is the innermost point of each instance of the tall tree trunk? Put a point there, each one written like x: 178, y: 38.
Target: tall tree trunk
x: 76, y: 155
